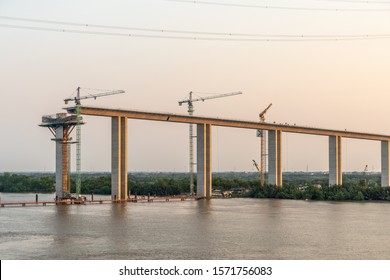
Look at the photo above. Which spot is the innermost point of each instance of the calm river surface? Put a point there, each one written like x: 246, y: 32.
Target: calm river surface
x: 215, y: 229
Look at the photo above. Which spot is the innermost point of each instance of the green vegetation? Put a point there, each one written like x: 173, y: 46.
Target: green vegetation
x: 42, y: 183
x: 324, y: 193
x: 313, y: 186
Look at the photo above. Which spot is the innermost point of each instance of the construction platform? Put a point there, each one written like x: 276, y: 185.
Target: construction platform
x: 96, y: 201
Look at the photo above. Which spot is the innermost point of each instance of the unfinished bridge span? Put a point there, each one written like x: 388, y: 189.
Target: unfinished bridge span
x: 119, y: 150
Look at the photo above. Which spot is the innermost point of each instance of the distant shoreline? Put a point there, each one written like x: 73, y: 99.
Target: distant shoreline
x: 357, y: 186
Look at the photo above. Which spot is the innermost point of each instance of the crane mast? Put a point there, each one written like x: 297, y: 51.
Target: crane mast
x: 365, y: 175
x: 78, y: 145
x: 77, y: 102
x: 190, y: 111
x: 260, y: 133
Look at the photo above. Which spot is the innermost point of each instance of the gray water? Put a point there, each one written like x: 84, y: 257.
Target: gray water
x: 215, y: 229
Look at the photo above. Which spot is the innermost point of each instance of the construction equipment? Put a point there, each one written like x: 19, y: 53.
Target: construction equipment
x: 190, y: 102
x: 260, y: 133
x: 262, y: 114
x: 77, y: 102
x: 256, y: 165
x: 77, y: 98
x: 365, y: 175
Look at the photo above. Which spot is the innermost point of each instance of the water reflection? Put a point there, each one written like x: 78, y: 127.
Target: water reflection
x: 119, y: 211
x: 204, y: 206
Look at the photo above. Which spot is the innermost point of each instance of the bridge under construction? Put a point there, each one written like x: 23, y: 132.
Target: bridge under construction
x: 119, y: 148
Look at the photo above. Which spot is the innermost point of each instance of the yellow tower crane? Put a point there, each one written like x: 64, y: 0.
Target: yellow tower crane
x: 256, y: 165
x: 190, y: 111
x: 260, y: 133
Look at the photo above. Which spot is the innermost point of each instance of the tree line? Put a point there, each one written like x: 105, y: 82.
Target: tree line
x: 331, y: 193
x: 313, y: 186
x: 42, y: 183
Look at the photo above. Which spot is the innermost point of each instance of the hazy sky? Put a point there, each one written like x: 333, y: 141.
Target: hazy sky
x: 340, y: 84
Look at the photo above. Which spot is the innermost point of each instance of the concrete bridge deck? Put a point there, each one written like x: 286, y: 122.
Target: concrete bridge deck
x: 168, y: 117
x: 119, y: 150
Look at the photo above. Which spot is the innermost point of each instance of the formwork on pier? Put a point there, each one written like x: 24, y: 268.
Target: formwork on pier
x: 61, y: 126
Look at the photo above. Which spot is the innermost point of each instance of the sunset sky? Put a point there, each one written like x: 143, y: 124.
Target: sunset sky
x: 322, y: 63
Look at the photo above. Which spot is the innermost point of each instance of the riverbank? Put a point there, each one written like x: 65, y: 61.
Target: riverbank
x: 323, y: 193
x: 296, y: 185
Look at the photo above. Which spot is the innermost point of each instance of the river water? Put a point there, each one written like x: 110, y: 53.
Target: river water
x: 215, y: 229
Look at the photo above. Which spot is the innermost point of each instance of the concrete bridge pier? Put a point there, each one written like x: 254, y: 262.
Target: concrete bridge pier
x: 385, y: 180
x: 335, y: 171
x: 204, y: 162
x: 62, y: 162
x: 61, y: 126
x: 275, y: 176
x: 119, y: 165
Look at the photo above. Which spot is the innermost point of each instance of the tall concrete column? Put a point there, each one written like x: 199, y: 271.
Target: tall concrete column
x: 385, y: 180
x: 119, y: 165
x: 62, y: 161
x: 209, y: 179
x: 59, y: 159
x: 65, y: 166
x: 124, y: 159
x: 204, y: 161
x: 275, y: 175
x: 335, y: 170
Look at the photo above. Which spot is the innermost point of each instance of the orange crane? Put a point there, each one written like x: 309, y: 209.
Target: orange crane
x: 256, y: 165
x: 260, y: 133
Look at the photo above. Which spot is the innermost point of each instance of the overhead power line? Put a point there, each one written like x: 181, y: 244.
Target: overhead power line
x: 180, y: 34
x: 301, y: 38
x: 357, y: 1
x: 271, y: 7
x: 187, y: 32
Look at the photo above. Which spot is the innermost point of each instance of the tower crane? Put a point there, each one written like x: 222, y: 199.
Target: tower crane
x: 77, y: 102
x: 365, y: 175
x: 190, y: 111
x: 77, y: 98
x: 260, y: 133
x: 262, y: 114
